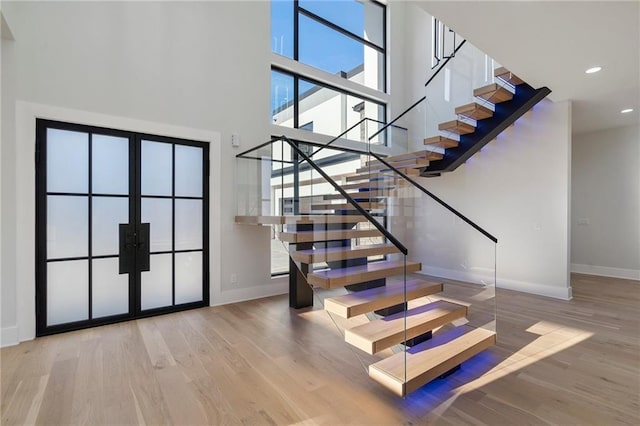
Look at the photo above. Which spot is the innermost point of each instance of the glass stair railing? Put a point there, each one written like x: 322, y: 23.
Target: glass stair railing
x: 468, y: 100
x: 370, y: 246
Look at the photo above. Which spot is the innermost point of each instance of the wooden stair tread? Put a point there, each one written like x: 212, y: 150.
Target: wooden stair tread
x: 305, y: 182
x: 441, y: 141
x: 508, y: 76
x: 359, y: 195
x: 361, y: 302
x: 409, y: 163
x: 408, y: 172
x: 493, y: 93
x: 385, y: 174
x: 326, y: 235
x: 340, y: 277
x: 299, y: 219
x: 347, y: 206
x: 380, y: 334
x: 474, y: 111
x: 424, y: 154
x: 331, y: 254
x: 457, y: 127
x: 371, y: 184
x: 431, y: 359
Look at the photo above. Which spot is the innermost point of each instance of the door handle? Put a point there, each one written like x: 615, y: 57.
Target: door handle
x: 142, y: 247
x: 134, y: 248
x: 126, y: 248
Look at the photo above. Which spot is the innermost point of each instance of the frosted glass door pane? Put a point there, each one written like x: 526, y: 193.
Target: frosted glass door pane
x: 110, y: 290
x: 157, y: 212
x: 188, y: 277
x: 67, y: 226
x: 110, y: 157
x: 188, y: 224
x: 156, y: 168
x: 67, y: 291
x: 108, y: 213
x: 156, y: 284
x: 67, y: 161
x: 188, y: 171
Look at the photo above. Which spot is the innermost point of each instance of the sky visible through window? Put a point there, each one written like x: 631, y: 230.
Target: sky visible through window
x: 319, y: 45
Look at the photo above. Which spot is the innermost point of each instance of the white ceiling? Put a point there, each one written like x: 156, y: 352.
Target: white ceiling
x: 552, y: 43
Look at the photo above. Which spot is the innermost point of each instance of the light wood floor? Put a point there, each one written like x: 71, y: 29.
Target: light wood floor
x: 556, y: 362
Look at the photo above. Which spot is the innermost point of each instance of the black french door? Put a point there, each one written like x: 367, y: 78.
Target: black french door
x: 121, y: 225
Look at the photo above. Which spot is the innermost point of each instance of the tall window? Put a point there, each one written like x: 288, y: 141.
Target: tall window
x: 296, y: 101
x: 346, y: 38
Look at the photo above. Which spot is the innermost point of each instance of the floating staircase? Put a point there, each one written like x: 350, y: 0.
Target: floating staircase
x: 376, y: 286
x: 425, y: 361
x: 338, y: 243
x: 497, y: 106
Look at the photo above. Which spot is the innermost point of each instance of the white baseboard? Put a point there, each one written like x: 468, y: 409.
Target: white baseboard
x: 9, y: 336
x: 276, y: 287
x: 605, y: 271
x: 559, y: 291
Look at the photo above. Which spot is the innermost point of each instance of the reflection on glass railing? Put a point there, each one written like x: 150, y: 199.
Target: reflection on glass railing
x: 400, y: 272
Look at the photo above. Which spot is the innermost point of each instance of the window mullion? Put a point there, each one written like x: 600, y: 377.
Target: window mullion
x: 337, y: 28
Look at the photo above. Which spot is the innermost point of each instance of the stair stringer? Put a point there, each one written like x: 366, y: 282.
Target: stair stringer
x: 506, y: 113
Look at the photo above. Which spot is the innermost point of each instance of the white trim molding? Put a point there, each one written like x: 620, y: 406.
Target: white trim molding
x: 560, y: 291
x: 277, y: 287
x: 606, y: 271
x: 9, y: 336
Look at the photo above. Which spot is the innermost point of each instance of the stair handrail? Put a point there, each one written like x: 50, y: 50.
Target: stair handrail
x: 436, y: 198
x: 435, y: 73
x: 335, y: 185
x: 398, y: 172
x: 350, y: 129
x: 402, y: 114
x: 351, y: 201
x: 243, y: 153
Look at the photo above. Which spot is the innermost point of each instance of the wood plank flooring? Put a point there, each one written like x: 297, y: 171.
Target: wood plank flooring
x: 259, y: 363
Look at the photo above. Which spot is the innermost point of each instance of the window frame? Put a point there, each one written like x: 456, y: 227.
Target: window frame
x: 300, y: 10
x: 298, y: 74
x: 296, y: 95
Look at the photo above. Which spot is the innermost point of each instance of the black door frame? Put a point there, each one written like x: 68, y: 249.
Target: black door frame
x: 134, y: 196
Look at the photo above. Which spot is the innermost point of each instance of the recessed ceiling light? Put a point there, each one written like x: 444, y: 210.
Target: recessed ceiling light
x: 593, y: 70
x: 624, y: 111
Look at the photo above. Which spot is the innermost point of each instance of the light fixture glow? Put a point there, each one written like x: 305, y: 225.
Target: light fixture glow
x: 593, y: 70
x: 624, y: 111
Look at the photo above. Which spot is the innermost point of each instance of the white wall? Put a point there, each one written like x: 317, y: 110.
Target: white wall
x: 201, y: 65
x: 517, y: 188
x: 4, y: 30
x: 605, y: 219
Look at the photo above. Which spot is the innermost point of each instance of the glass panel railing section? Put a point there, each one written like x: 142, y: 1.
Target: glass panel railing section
x: 364, y: 262
x: 369, y: 133
x: 254, y: 171
x: 394, y: 136
x: 400, y: 272
x: 451, y: 107
x: 328, y: 207
x: 449, y: 250
x: 450, y: 283
x: 264, y: 194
